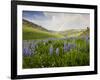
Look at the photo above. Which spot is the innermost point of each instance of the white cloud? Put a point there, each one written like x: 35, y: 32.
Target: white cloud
x: 63, y: 21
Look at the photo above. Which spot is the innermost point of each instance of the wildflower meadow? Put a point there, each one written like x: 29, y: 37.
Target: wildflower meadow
x: 56, y: 52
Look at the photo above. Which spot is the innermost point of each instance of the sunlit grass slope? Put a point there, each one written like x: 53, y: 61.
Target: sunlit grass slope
x: 33, y: 32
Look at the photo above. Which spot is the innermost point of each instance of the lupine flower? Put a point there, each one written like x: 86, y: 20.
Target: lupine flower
x: 68, y: 46
x: 72, y: 46
x: 57, y: 51
x: 65, y: 47
x: 33, y: 46
x: 51, y: 49
x: 26, y: 51
x: 87, y: 39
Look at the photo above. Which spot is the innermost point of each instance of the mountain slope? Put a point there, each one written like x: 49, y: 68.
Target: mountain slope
x: 71, y: 32
x: 33, y: 31
x: 33, y: 25
x: 85, y: 32
x: 75, y: 33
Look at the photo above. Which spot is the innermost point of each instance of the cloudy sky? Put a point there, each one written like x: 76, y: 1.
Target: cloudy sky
x: 58, y: 21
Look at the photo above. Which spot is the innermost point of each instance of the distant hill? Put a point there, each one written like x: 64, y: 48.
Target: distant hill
x: 33, y: 25
x: 85, y: 32
x: 71, y: 32
x: 34, y: 31
x: 75, y: 32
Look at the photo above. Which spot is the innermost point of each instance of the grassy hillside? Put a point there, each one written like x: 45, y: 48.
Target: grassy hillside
x: 33, y: 25
x: 75, y: 32
x: 33, y: 31
x: 71, y: 33
x: 85, y: 32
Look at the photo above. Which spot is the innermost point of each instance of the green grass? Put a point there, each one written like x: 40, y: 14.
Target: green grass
x: 30, y: 33
x: 78, y: 56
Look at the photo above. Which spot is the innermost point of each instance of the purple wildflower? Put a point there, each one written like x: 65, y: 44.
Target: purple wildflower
x: 26, y: 52
x: 32, y: 45
x: 65, y: 47
x: 68, y: 47
x: 57, y: 51
x: 87, y: 39
x: 51, y: 49
x: 32, y: 48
